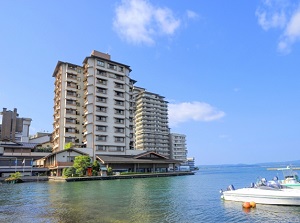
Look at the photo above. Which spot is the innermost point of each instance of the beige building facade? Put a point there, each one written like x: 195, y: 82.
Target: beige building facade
x: 99, y: 111
x: 92, y: 107
x: 151, y: 122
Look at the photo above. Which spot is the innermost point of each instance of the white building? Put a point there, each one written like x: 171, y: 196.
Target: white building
x: 99, y: 111
x: 178, y: 146
x: 92, y: 106
x: 151, y: 122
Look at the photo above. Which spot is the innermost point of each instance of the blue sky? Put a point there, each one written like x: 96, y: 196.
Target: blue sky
x: 229, y: 69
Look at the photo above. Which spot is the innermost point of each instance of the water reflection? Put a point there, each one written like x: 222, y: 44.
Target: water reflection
x: 170, y: 199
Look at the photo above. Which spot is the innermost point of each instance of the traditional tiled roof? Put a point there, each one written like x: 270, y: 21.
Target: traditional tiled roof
x: 66, y: 150
x: 22, y: 145
x: 147, y: 157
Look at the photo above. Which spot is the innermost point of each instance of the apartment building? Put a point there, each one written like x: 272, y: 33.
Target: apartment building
x: 13, y: 128
x: 151, y: 129
x: 68, y: 106
x: 107, y: 109
x: 178, y: 146
x: 92, y: 107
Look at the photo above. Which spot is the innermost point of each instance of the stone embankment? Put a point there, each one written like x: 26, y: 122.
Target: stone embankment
x: 113, y: 177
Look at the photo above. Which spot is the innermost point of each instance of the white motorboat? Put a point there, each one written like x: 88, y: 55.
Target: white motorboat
x: 291, y: 179
x: 262, y: 194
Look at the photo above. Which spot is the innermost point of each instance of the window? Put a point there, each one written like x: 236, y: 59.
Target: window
x: 119, y: 120
x: 119, y: 94
x: 101, y: 90
x: 70, y: 130
x: 119, y: 111
x: 70, y: 102
x: 69, y: 139
x: 70, y: 111
x: 100, y: 147
x: 71, y: 120
x: 121, y: 69
x: 101, y: 109
x: 112, y: 66
x: 118, y: 85
x: 118, y: 102
x: 101, y: 99
x: 119, y: 139
x: 116, y: 149
x: 101, y: 81
x: 72, y: 76
x: 119, y: 77
x: 119, y: 130
x: 101, y: 138
x: 101, y: 128
x: 101, y: 118
x: 100, y: 63
x: 71, y: 93
x: 71, y: 84
x: 101, y: 72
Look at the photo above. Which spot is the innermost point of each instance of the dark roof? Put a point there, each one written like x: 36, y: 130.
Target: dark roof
x: 66, y: 150
x: 141, y: 158
x: 23, y: 145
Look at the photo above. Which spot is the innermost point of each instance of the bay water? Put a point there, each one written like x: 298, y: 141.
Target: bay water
x: 192, y: 198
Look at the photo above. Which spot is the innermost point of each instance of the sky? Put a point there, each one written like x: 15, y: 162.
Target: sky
x: 229, y: 69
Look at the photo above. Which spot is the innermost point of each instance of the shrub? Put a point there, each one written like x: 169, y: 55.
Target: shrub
x: 69, y: 172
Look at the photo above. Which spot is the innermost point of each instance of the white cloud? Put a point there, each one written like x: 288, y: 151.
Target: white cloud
x: 195, y: 111
x: 191, y: 14
x: 137, y: 21
x: 291, y: 34
x: 283, y: 15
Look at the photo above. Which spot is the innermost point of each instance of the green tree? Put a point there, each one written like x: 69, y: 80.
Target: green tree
x: 68, y: 145
x: 81, y: 163
x: 69, y: 172
x: 96, y: 166
x: 109, y: 171
x: 16, y: 175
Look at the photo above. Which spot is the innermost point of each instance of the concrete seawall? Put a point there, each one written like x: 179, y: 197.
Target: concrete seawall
x: 113, y: 177
x: 129, y: 176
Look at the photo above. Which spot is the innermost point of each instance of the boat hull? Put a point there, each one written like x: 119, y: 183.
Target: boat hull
x: 264, y: 196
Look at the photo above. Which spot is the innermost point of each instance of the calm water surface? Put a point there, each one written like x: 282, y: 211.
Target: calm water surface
x: 167, y: 199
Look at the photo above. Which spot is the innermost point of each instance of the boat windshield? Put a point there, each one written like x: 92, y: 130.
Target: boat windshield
x: 288, y: 172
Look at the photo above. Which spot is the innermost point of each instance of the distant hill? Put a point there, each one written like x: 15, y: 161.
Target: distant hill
x: 295, y: 163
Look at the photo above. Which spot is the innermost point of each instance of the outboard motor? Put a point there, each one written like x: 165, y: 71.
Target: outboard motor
x: 264, y: 181
x: 231, y: 187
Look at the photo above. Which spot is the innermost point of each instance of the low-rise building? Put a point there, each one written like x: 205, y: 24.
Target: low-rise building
x: 178, y: 146
x: 19, y: 157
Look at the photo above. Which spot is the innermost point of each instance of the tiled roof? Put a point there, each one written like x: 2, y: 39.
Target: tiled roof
x: 20, y: 145
x: 133, y: 159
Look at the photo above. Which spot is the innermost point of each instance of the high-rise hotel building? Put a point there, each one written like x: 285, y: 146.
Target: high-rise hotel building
x: 93, y: 105
x: 151, y: 122
x: 97, y: 108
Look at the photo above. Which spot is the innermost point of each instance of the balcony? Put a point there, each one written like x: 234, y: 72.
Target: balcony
x: 60, y: 164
